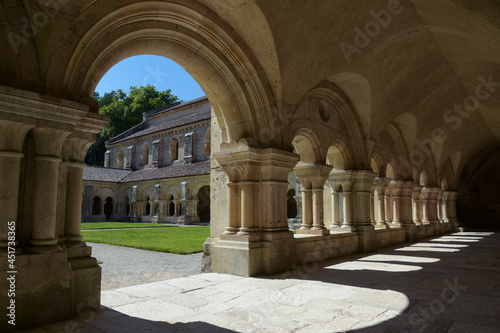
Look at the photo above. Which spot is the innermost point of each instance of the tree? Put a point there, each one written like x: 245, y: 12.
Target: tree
x: 125, y: 111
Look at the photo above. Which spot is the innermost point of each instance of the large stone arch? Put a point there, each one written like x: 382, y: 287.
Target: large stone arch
x: 193, y: 36
x: 338, y: 115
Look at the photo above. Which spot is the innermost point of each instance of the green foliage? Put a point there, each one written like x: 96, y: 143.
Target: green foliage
x: 125, y: 111
x: 173, y: 240
x: 119, y: 225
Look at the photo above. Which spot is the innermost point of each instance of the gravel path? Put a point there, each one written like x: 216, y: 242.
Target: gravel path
x: 124, y: 266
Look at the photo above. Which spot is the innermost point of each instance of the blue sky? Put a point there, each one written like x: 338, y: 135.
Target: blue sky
x: 160, y: 72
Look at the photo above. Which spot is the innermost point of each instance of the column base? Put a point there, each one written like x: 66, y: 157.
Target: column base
x: 338, y: 229
x: 237, y: 257
x: 313, y: 231
x: 44, y: 290
x: 381, y: 225
x: 396, y: 224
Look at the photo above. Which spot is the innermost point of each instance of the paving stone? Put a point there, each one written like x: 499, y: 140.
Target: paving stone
x: 112, y: 298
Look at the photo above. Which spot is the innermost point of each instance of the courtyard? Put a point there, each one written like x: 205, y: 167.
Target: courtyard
x: 443, y: 284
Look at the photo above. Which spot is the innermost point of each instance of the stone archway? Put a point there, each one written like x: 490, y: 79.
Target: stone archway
x: 203, y: 206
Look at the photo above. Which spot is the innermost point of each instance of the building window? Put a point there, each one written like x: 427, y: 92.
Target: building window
x: 174, y: 150
x: 121, y: 159
x: 96, y: 206
x: 145, y: 155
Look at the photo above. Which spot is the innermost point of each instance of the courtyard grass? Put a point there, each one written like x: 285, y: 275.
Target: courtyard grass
x: 118, y: 225
x: 173, y: 240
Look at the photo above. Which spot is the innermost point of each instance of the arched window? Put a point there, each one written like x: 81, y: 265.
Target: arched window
x: 96, y: 206
x: 108, y: 208
x: 203, y: 208
x: 148, y: 206
x: 121, y: 164
x: 145, y: 155
x: 174, y: 150
x: 291, y: 204
x: 127, y: 205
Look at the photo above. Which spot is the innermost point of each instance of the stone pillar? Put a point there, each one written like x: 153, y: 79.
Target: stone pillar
x: 440, y: 208
x: 452, y: 210
x: 342, y: 180
x: 424, y: 204
x: 348, y: 222
x: 416, y: 205
x: 73, y: 201
x: 380, y: 185
x: 397, y: 221
x: 372, y: 208
x: 388, y: 206
x: 362, y: 185
x: 256, y: 239
x: 445, y: 209
x: 335, y: 210
x: 11, y: 144
x: 233, y: 209
x: 307, y: 210
x: 48, y: 150
x: 312, y: 179
x: 433, y: 209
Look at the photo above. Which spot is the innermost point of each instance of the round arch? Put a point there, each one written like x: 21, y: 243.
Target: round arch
x: 199, y: 41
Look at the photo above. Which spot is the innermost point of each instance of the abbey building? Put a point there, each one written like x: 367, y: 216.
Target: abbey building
x: 157, y: 171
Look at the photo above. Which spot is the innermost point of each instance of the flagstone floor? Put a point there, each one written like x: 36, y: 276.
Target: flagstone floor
x: 444, y: 284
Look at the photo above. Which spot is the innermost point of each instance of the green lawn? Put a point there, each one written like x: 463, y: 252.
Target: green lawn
x: 174, y: 240
x: 117, y: 225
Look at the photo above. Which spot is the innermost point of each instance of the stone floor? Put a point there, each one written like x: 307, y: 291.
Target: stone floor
x: 445, y: 284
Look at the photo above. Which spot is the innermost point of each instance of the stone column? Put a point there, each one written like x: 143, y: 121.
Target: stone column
x: 416, y: 205
x: 307, y: 210
x: 388, y: 207
x: 445, y: 202
x: 372, y: 208
x: 452, y: 210
x: 256, y: 239
x: 335, y: 210
x: 433, y: 208
x: 362, y: 185
x: 424, y: 204
x: 233, y: 207
x: 48, y: 150
x: 348, y: 222
x: 440, y: 208
x: 247, y: 195
x: 397, y: 221
x: 73, y: 200
x: 11, y: 144
x: 298, y: 200
x: 380, y: 185
x: 312, y: 179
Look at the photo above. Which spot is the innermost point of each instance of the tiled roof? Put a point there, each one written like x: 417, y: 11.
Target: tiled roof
x: 173, y: 171
x: 174, y: 106
x: 142, y: 129
x: 96, y: 174
x: 192, y: 118
x: 104, y: 174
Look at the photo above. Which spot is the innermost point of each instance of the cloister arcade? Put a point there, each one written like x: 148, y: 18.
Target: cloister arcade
x: 396, y: 125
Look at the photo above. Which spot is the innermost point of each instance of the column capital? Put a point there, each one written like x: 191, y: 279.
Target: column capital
x: 312, y: 176
x: 241, y: 162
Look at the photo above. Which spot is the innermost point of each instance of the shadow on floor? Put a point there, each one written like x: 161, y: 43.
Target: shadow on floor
x: 452, y: 282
